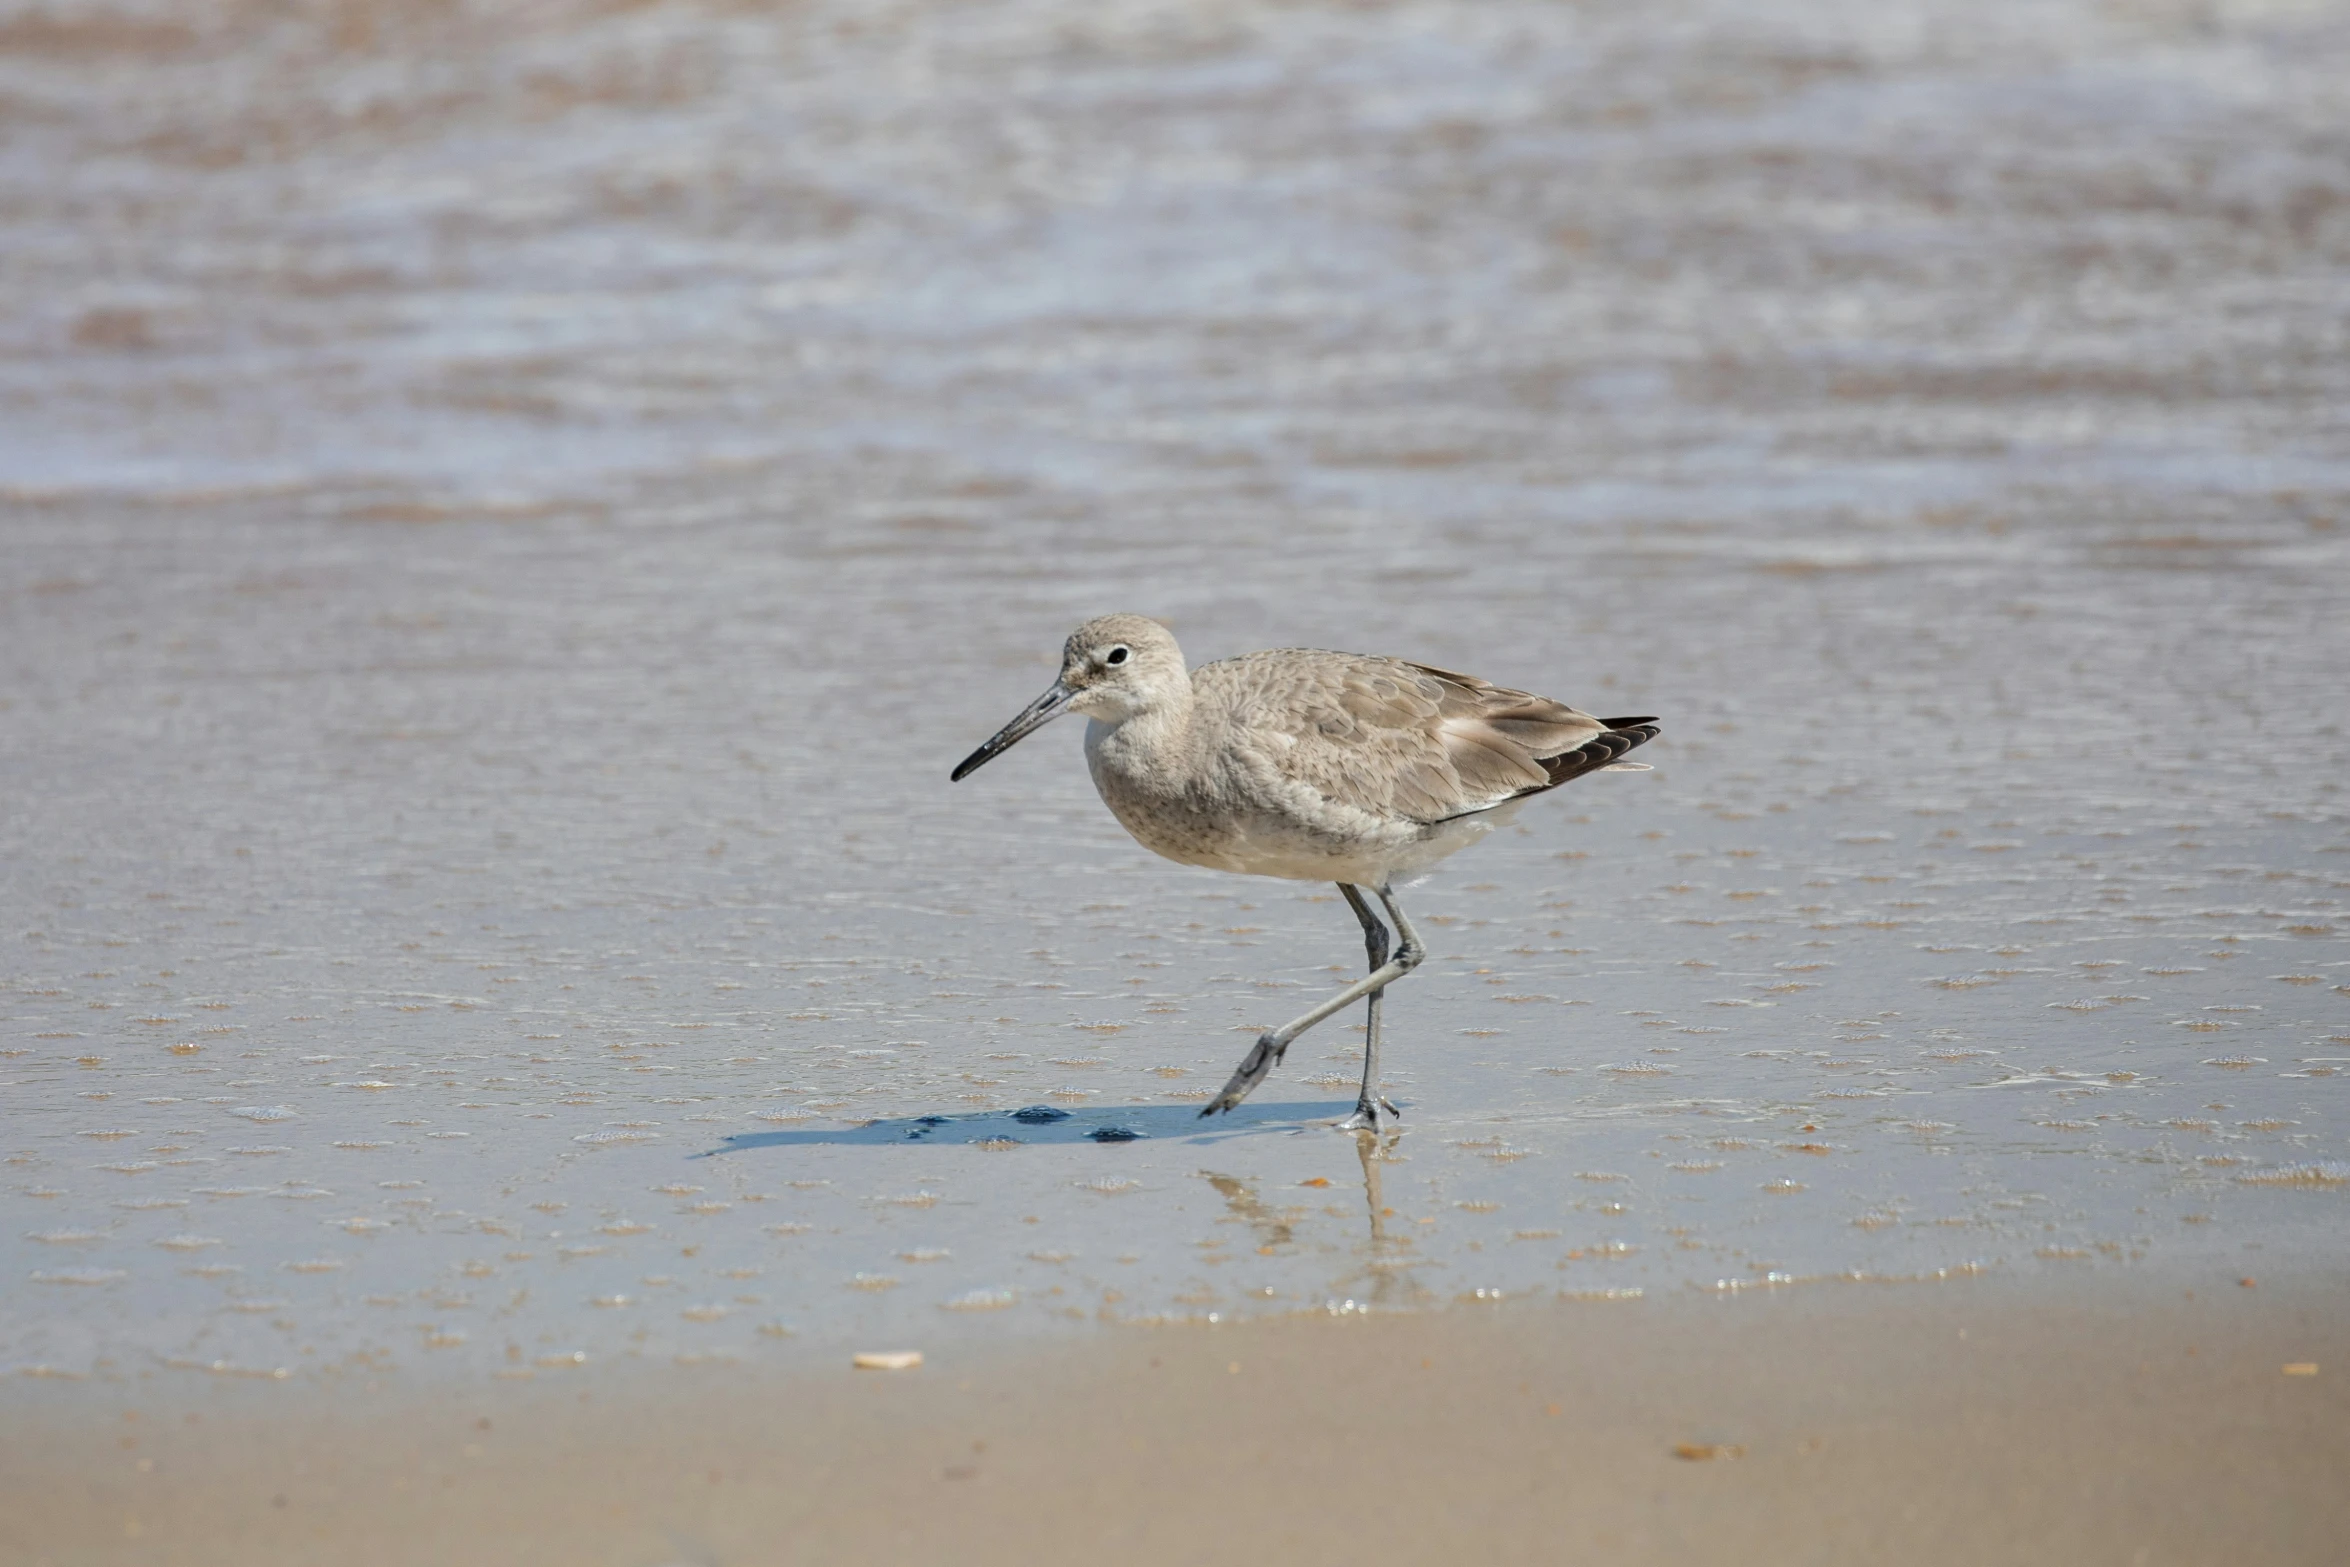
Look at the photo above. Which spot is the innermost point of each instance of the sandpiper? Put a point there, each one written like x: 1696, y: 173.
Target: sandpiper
x: 1312, y: 766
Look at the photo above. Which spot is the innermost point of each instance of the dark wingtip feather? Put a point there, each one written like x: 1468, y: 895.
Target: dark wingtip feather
x: 1621, y: 735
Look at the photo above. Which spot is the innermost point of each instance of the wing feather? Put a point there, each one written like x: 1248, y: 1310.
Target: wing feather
x: 1398, y: 740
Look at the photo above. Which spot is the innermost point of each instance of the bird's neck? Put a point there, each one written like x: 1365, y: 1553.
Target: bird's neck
x: 1148, y: 744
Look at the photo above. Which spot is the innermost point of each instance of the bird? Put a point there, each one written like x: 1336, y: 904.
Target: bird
x: 1310, y: 765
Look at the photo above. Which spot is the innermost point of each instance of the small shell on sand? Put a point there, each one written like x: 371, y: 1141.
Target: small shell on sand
x: 888, y: 1360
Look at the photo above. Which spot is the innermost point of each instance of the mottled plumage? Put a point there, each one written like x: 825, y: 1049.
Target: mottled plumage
x: 1310, y: 765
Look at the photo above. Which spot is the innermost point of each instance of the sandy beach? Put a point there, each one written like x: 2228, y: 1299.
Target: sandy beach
x: 2136, y: 1417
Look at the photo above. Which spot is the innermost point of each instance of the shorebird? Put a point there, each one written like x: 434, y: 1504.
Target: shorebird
x: 1311, y: 766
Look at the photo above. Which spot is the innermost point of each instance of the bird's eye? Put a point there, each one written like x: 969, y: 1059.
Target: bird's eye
x: 1116, y: 655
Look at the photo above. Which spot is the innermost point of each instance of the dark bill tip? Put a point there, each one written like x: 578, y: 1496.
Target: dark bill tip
x: 1034, y: 716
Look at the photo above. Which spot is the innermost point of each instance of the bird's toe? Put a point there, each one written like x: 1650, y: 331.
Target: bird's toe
x: 1261, y: 1059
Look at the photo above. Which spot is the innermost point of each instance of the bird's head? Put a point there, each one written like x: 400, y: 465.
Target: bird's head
x: 1112, y: 667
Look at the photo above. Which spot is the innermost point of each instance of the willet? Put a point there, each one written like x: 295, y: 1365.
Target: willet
x: 1311, y: 766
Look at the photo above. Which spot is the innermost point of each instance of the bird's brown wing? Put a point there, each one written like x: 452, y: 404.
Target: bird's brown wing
x: 1410, y: 741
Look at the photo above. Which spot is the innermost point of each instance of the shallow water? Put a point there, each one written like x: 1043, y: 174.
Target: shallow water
x: 510, y: 522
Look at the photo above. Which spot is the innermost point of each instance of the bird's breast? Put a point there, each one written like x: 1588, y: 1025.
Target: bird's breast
x: 1153, y: 797
x: 1235, y: 809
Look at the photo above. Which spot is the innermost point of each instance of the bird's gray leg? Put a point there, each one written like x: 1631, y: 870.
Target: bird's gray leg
x: 1270, y: 1045
x: 1368, y: 1103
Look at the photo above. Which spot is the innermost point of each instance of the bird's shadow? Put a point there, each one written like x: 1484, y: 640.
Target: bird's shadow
x: 1050, y: 1124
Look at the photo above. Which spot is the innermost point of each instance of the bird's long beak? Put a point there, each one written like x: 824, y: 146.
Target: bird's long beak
x: 1034, y: 716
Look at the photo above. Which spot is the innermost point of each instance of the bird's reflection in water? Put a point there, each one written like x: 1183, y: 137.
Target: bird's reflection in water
x: 1272, y: 1229
x: 1383, y: 1276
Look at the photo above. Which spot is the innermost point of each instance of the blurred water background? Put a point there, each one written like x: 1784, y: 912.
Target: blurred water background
x: 511, y: 510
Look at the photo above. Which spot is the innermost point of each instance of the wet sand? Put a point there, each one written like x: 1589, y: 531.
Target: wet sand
x: 2143, y: 1418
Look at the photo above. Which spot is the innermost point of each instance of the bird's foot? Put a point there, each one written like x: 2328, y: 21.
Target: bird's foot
x: 1372, y: 1115
x: 1262, y: 1057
